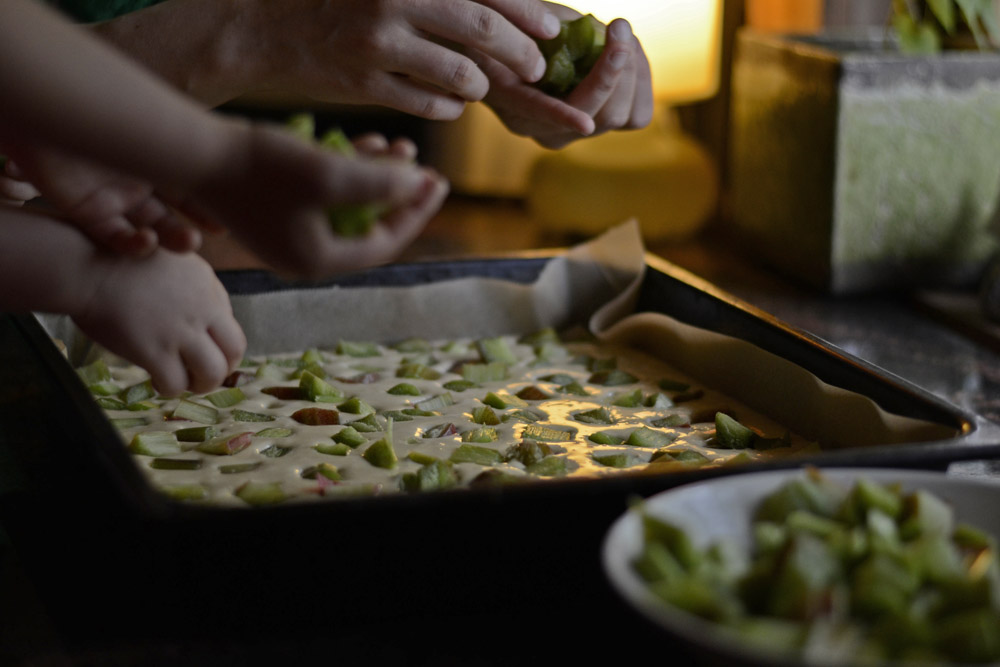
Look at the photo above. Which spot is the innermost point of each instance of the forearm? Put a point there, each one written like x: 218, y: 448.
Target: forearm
x: 197, y: 47
x: 46, y: 265
x: 64, y: 87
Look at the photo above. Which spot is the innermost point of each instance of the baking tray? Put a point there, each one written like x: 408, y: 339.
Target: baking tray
x: 88, y: 528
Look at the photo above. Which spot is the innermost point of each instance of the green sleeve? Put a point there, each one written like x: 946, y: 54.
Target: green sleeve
x: 87, y: 11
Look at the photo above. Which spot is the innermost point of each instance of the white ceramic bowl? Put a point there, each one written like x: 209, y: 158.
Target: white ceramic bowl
x: 720, y: 511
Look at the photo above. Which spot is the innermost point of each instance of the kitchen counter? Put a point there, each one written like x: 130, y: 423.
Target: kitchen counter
x: 910, y: 336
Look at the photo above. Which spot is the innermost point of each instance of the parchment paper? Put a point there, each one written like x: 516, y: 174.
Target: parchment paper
x: 594, y: 283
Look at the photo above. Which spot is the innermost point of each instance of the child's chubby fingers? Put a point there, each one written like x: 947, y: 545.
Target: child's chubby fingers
x: 171, y: 231
x: 205, y: 363
x: 230, y: 339
x: 377, y: 145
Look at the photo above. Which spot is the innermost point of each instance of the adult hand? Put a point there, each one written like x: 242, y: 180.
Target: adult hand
x: 272, y: 192
x: 403, y: 54
x: 617, y: 94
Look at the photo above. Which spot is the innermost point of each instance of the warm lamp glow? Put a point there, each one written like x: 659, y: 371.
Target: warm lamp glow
x: 682, y: 39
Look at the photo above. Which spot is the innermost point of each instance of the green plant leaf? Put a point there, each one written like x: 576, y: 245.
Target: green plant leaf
x: 916, y: 38
x: 982, y: 21
x: 944, y: 11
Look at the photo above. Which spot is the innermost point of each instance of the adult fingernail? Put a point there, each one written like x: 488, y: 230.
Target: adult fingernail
x: 539, y: 69
x: 551, y: 24
x: 620, y: 30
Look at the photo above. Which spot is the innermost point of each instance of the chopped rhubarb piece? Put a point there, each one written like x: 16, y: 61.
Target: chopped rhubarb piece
x: 658, y: 401
x: 275, y: 451
x: 111, y: 403
x: 195, y: 433
x: 274, y: 432
x: 612, y: 378
x: 129, y: 422
x: 285, y: 393
x: 367, y: 424
x: 647, y: 437
x: 311, y: 356
x: 434, y: 476
x: 412, y: 345
x: 381, y: 454
x: 421, y: 458
x: 549, y: 352
x: 440, y: 431
x: 731, y: 434
x: 547, y: 434
x: 369, y: 377
x: 495, y: 350
x: 326, y: 470
x: 483, y: 456
x: 349, y: 436
x: 671, y: 421
x: 528, y: 452
x: 313, y: 369
x: 613, y: 460
x: 403, y: 389
x: 261, y: 493
x: 605, y: 438
x: 558, y: 378
x: 237, y: 468
x: 247, y: 416
x: 139, y: 406
x: 226, y: 398
x: 94, y: 373
x: 316, y: 417
x: 175, y: 464
x: 226, y: 445
x: 479, y: 373
x: 438, y: 402
x: 459, y: 385
x: 196, y: 412
x: 356, y: 406
x: 271, y: 371
x: 493, y: 477
x: 185, y: 492
x: 484, y: 434
x: 318, y: 390
x: 138, y: 392
x: 238, y: 379
x: 358, y: 349
x: 574, y: 388
x: 485, y: 415
x: 333, y: 449
x: 595, y: 365
x: 417, y: 372
x: 503, y: 401
x: 550, y: 466
x: 104, y: 389
x: 532, y: 393
x: 528, y: 416
x: 155, y: 443
x: 543, y: 335
x: 595, y: 416
x: 628, y: 399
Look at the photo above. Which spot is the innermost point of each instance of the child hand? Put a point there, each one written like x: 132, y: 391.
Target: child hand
x: 167, y: 313
x: 117, y: 212
x: 617, y: 94
x: 14, y: 190
x: 273, y: 191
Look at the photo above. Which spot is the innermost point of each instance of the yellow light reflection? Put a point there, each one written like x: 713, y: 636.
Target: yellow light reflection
x: 681, y: 38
